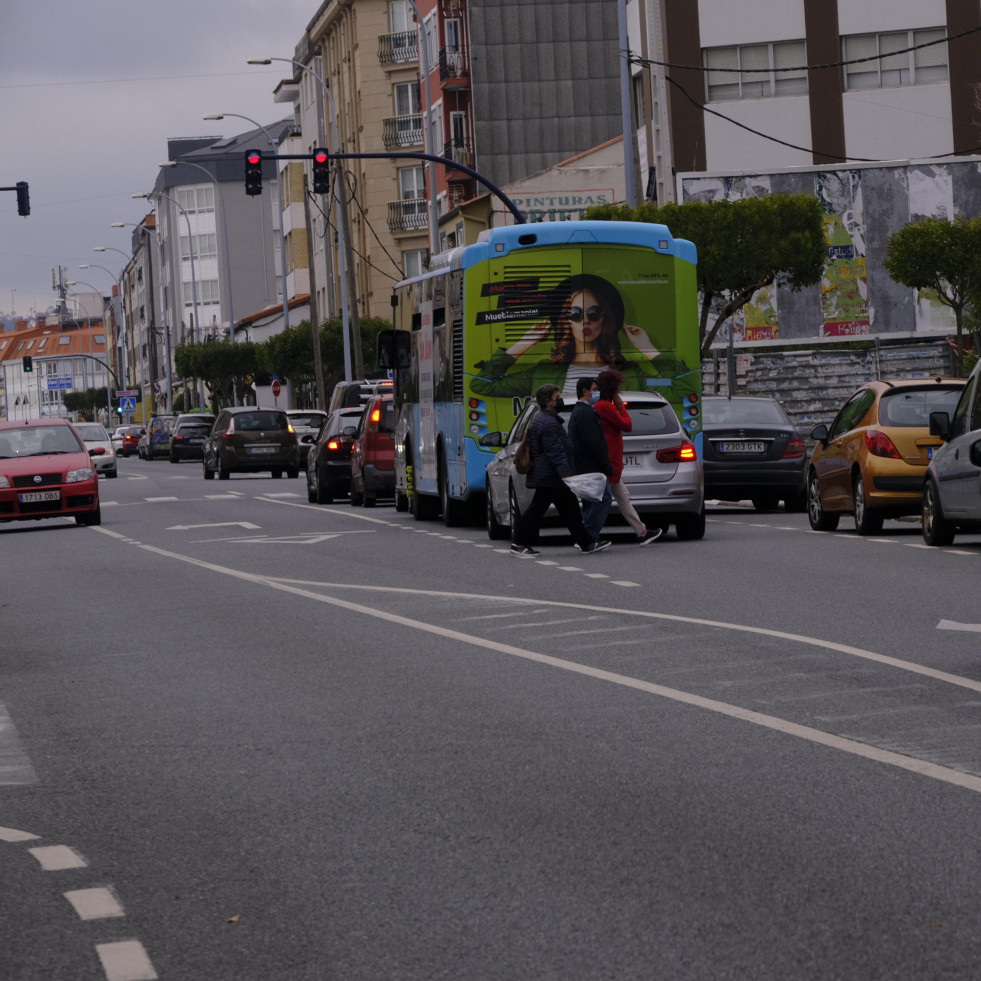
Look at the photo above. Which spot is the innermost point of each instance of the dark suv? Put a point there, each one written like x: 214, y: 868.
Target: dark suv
x: 246, y: 439
x: 189, y: 433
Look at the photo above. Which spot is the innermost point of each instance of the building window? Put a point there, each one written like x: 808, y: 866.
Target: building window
x: 400, y: 16
x: 890, y: 65
x: 415, y: 262
x: 412, y: 183
x: 207, y: 292
x: 196, y: 200
x: 205, y: 246
x: 756, y: 71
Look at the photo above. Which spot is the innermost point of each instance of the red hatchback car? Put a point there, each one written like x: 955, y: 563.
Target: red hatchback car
x: 46, y: 472
x: 373, y: 452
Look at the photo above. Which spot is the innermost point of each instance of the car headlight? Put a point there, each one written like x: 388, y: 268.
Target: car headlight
x: 83, y: 473
x: 3, y: 481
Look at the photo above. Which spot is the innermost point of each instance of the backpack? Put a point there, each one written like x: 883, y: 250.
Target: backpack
x: 522, y: 457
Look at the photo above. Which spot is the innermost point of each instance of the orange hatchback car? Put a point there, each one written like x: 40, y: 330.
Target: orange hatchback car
x: 871, y: 462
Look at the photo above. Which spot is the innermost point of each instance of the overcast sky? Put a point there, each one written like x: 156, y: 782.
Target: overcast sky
x: 91, y: 91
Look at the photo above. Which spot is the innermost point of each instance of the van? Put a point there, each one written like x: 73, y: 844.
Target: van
x: 952, y: 493
x: 156, y: 441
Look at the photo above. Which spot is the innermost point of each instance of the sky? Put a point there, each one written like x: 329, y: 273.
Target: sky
x: 91, y: 91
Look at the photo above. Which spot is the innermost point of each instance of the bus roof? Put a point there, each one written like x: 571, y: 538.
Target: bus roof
x: 495, y: 242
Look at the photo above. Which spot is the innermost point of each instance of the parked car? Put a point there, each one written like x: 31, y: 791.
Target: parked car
x: 156, y: 441
x: 373, y: 452
x: 246, y: 439
x: 661, y: 470
x: 329, y: 463
x: 354, y: 394
x: 129, y: 440
x: 752, y: 451
x: 872, y: 461
x: 46, y: 472
x: 952, y: 495
x: 99, y: 444
x: 117, y: 438
x: 190, y: 431
x: 307, y: 424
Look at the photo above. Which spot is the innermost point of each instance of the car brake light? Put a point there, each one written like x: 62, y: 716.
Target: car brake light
x: 879, y: 444
x: 289, y: 427
x: 677, y: 454
x: 376, y: 415
x: 333, y: 444
x: 795, y: 448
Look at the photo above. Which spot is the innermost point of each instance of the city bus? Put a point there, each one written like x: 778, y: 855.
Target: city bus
x: 487, y: 324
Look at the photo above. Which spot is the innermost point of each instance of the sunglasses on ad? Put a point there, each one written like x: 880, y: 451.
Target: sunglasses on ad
x: 592, y: 314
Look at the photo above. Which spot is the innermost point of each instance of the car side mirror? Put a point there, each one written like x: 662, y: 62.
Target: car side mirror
x: 940, y: 425
x: 349, y: 431
x: 820, y: 434
x: 975, y: 453
x: 492, y: 439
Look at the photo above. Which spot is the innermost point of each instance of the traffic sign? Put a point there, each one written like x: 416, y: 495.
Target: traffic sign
x: 126, y: 393
x: 276, y: 388
x: 127, y: 403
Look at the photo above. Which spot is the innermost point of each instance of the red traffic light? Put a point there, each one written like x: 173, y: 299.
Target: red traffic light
x: 321, y: 171
x: 253, y: 172
x: 320, y: 156
x: 254, y: 157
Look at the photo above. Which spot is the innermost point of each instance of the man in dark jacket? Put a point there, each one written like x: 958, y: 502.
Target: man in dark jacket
x: 551, y: 455
x: 590, y: 452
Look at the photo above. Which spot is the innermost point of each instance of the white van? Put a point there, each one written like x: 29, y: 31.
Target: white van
x: 952, y: 495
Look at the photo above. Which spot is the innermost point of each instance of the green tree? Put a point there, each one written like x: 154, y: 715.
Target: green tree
x: 743, y: 246
x: 86, y: 403
x: 226, y: 368
x: 944, y: 257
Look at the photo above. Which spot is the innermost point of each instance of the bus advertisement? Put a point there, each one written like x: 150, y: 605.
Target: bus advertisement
x: 478, y: 333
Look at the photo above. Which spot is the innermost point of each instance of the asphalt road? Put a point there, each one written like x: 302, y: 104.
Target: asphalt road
x: 243, y: 737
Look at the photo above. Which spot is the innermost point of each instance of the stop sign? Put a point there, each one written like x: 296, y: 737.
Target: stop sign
x: 276, y: 388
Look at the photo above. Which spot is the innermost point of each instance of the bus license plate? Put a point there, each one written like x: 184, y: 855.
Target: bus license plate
x: 38, y: 497
x: 741, y: 447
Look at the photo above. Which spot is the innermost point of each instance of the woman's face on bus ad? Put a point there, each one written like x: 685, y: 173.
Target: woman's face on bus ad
x: 586, y: 317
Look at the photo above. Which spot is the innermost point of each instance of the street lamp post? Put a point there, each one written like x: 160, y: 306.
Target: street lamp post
x: 195, y: 327
x: 341, y: 209
x: 117, y: 303
x: 168, y: 371
x: 279, y: 204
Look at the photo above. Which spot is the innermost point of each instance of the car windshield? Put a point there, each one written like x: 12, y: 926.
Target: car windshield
x: 186, y: 428
x: 255, y: 421
x: 912, y: 406
x: 38, y: 441
x: 91, y: 432
x: 742, y: 412
x: 309, y: 420
x: 651, y: 419
x: 386, y: 423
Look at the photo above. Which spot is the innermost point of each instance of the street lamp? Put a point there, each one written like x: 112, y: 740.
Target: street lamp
x: 116, y: 359
x: 194, y: 281
x: 109, y: 248
x: 168, y: 371
x: 279, y: 205
x: 341, y: 208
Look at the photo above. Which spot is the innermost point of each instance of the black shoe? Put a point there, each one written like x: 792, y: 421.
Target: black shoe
x: 653, y: 534
x: 524, y: 550
x: 600, y: 545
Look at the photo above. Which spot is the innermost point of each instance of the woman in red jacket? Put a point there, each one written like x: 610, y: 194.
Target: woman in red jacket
x: 616, y: 421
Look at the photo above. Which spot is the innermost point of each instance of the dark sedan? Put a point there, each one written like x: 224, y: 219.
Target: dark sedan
x: 329, y: 462
x: 752, y: 451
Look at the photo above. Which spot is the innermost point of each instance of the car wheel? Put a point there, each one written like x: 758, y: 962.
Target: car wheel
x: 868, y: 521
x: 292, y: 472
x: 765, y: 502
x: 691, y: 527
x: 325, y: 492
x: 368, y: 500
x: 277, y: 474
x: 311, y: 493
x: 90, y: 518
x: 223, y: 472
x: 113, y: 474
x: 173, y: 457
x: 208, y: 474
x: 356, y: 494
x: 514, y: 512
x: 495, y: 530
x: 819, y: 518
x: 937, y: 530
x: 401, y: 502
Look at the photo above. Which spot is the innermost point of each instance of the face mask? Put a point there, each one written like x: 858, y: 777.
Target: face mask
x: 594, y: 397
x: 560, y: 405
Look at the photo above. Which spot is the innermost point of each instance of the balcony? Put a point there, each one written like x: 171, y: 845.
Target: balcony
x: 408, y: 215
x: 459, y: 152
x: 453, y: 65
x: 398, y: 49
x: 402, y: 131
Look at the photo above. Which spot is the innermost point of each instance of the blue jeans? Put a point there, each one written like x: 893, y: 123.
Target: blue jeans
x: 595, y: 513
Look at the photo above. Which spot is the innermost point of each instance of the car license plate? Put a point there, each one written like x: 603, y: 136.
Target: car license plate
x: 742, y: 447
x: 195, y: 442
x: 929, y: 452
x: 263, y: 449
x: 39, y: 496
x: 630, y: 460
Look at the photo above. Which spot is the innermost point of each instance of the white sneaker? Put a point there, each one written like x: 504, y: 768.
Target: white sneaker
x: 600, y: 545
x: 524, y: 550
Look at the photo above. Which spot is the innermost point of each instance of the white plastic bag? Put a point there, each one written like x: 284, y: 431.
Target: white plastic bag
x: 587, y: 486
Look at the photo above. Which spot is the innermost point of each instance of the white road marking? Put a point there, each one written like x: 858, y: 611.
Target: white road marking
x: 125, y: 960
x: 12, y: 834
x: 922, y: 767
x: 54, y: 858
x: 623, y: 582
x: 247, y: 525
x: 597, y: 575
x: 569, y: 568
x: 15, y: 765
x: 954, y: 625
x: 94, y: 904
x: 155, y: 500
